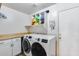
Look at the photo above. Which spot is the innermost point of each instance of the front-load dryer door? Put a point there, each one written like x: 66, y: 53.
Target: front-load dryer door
x: 26, y: 46
x: 38, y: 50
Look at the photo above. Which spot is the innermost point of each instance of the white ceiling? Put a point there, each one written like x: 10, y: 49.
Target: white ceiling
x: 28, y: 8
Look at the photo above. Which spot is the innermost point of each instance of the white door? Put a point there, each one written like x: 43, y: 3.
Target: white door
x: 69, y: 30
x: 16, y: 46
x: 5, y: 48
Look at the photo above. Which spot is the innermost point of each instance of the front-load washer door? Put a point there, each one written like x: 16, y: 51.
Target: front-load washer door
x: 38, y: 50
x: 26, y: 46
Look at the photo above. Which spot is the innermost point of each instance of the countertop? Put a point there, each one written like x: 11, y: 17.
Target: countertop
x: 14, y: 35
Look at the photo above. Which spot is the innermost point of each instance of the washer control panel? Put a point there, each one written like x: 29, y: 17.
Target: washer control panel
x: 30, y: 37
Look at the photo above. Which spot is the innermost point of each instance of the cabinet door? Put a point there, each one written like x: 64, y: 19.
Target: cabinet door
x: 69, y: 31
x: 5, y: 48
x: 16, y: 46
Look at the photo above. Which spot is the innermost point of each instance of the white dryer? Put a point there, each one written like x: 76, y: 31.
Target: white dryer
x: 26, y: 46
x: 43, y: 45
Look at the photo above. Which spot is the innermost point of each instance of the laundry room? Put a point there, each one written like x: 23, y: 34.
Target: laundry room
x: 39, y: 29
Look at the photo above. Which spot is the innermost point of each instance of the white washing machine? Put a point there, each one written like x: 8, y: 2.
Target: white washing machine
x: 40, y: 45
x: 26, y: 45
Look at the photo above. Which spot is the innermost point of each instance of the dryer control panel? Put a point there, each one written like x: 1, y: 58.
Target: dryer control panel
x: 44, y: 41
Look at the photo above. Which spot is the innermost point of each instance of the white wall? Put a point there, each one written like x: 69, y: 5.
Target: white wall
x: 15, y: 21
